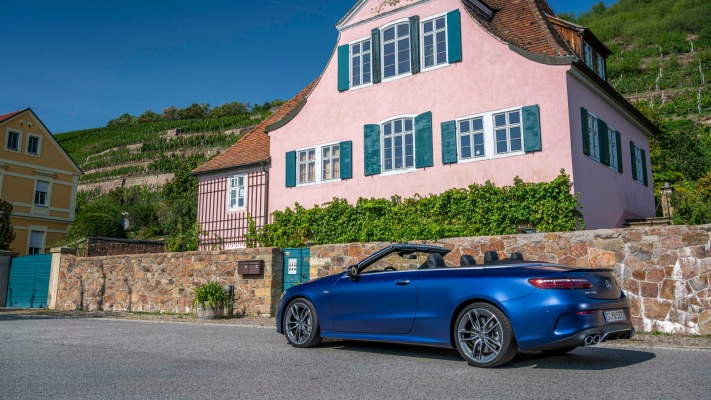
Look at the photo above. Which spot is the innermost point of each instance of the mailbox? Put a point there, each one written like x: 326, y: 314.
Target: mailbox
x: 250, y: 267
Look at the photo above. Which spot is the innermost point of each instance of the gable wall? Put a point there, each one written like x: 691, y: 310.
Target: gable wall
x: 490, y: 77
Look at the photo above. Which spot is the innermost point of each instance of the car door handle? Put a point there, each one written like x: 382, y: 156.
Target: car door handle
x: 402, y: 282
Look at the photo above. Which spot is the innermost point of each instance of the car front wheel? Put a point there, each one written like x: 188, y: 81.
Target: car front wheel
x: 484, y: 337
x: 301, y: 324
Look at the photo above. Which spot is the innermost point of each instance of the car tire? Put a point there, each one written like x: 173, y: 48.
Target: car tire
x: 301, y: 325
x: 559, y: 351
x: 483, y: 336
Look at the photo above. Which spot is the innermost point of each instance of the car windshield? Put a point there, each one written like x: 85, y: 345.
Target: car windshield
x: 399, y: 261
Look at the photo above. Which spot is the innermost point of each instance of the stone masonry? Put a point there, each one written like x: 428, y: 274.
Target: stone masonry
x: 165, y: 282
x: 665, y: 271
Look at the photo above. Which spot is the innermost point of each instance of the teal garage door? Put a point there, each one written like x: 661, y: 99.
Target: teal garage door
x: 29, y: 281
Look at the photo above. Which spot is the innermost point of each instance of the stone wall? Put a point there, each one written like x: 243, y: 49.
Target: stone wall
x: 665, y: 271
x: 165, y: 282
x: 97, y: 247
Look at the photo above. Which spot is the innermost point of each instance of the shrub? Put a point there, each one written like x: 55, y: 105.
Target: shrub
x: 97, y: 224
x: 209, y: 294
x: 7, y: 234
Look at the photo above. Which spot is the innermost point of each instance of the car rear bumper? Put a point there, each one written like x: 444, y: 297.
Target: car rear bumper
x: 607, y: 333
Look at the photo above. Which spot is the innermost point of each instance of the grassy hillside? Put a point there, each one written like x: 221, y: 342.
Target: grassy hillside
x: 662, y: 63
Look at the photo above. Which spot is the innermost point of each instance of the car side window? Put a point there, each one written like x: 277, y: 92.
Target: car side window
x: 397, y: 262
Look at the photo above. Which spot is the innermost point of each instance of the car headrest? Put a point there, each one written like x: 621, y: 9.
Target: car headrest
x: 490, y: 256
x: 435, y: 260
x: 467, y: 260
x: 516, y: 256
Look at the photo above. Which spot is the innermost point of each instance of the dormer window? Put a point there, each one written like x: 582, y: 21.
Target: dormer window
x: 601, y: 67
x: 588, y: 54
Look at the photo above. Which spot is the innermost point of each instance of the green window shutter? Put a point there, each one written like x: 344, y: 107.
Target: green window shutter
x: 531, y: 129
x: 290, y: 169
x: 375, y: 54
x: 423, y: 140
x: 632, y: 159
x: 586, y: 133
x: 415, y: 43
x: 454, y: 37
x: 603, y: 142
x: 346, y: 159
x: 371, y: 151
x: 449, y: 142
x: 344, y: 77
x: 644, y: 167
x: 619, y: 152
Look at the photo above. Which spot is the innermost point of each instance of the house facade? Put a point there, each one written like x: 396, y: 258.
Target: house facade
x: 424, y: 96
x: 40, y: 180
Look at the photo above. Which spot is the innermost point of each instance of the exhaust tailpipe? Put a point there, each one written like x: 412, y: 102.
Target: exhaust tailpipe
x: 592, y: 340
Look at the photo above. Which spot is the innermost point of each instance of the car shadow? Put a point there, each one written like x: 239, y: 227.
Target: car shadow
x: 583, y: 359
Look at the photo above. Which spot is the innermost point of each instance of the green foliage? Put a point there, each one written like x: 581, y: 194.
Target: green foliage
x: 479, y: 210
x: 7, y: 234
x: 209, y: 294
x: 184, y: 239
x: 95, y: 222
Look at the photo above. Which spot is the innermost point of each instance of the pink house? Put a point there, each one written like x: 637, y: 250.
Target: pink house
x: 427, y: 95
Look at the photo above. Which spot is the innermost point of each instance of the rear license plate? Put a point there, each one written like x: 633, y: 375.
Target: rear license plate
x: 614, y: 316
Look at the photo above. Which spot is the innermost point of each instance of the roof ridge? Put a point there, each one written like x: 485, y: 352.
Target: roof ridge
x: 554, y: 38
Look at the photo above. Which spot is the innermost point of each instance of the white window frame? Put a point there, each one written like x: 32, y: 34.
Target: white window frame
x: 350, y: 63
x: 46, y: 197
x: 318, y: 180
x: 612, y: 148
x: 471, y: 137
x: 593, y: 136
x: 39, y: 144
x: 588, y: 55
x: 19, y: 140
x: 601, y: 67
x: 422, y: 42
x: 331, y: 158
x: 231, y: 187
x: 382, y: 50
x: 489, y: 136
x: 638, y: 164
x: 396, y: 171
x: 29, y: 241
x: 508, y: 130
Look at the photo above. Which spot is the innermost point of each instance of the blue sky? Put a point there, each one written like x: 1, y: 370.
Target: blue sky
x: 79, y: 63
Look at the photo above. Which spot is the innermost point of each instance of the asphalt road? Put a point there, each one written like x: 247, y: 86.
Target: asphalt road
x: 42, y: 357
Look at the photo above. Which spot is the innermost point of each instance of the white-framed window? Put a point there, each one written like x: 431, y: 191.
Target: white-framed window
x: 588, y: 54
x: 398, y: 144
x: 13, y: 140
x: 36, y: 244
x: 396, y: 50
x: 612, y: 146
x: 34, y: 144
x: 639, y: 164
x: 360, y: 63
x: 593, y: 139
x: 471, y: 138
x: 317, y: 164
x: 306, y: 162
x: 330, y: 162
x: 434, y: 41
x: 507, y: 132
x: 41, y: 194
x: 237, y: 193
x: 601, y: 67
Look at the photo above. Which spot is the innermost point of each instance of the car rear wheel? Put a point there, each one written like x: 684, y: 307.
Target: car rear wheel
x: 301, y: 324
x: 559, y: 351
x: 484, y: 337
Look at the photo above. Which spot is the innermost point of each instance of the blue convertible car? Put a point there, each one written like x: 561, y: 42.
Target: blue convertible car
x: 406, y: 293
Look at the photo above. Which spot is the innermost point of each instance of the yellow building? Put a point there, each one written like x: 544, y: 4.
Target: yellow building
x: 40, y: 180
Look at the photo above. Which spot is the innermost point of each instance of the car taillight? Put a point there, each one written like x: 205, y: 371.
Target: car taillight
x: 560, y: 283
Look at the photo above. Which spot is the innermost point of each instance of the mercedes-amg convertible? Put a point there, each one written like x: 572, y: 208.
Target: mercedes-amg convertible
x: 406, y: 293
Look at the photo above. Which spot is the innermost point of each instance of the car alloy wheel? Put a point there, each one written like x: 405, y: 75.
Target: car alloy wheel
x: 301, y: 324
x: 484, y: 336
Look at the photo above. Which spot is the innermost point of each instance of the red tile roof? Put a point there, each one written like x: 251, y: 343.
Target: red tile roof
x: 3, y: 117
x: 253, y: 147
x: 524, y: 24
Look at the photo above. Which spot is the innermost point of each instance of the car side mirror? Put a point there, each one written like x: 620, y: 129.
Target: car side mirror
x: 352, y: 272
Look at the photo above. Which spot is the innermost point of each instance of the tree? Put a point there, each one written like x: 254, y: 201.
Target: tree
x: 124, y: 119
x: 7, y: 234
x: 149, y: 116
x: 170, y: 114
x: 194, y: 111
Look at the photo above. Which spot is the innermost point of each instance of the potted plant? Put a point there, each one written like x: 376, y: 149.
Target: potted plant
x: 210, y: 300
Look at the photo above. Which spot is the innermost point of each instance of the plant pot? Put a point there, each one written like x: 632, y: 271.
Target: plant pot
x: 212, y: 311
